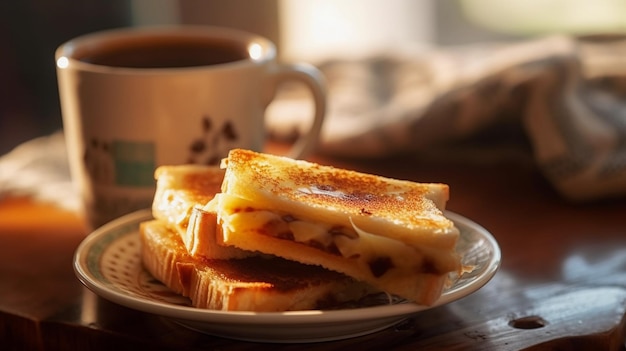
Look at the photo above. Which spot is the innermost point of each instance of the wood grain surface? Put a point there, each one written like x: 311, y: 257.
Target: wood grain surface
x: 561, y: 286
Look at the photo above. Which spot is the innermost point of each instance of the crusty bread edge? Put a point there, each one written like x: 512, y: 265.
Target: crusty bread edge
x: 165, y: 258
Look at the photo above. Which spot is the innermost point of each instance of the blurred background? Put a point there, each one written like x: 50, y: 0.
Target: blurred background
x: 30, y: 30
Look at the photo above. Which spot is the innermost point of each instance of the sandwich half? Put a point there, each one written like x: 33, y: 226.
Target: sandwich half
x: 259, y: 283
x: 181, y: 192
x: 391, y: 234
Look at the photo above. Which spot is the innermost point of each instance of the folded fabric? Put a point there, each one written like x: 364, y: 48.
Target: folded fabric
x: 39, y: 168
x: 566, y: 95
x: 565, y: 92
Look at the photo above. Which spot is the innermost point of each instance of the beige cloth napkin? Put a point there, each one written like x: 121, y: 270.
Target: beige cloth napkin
x: 567, y: 95
x: 564, y: 92
x: 38, y: 168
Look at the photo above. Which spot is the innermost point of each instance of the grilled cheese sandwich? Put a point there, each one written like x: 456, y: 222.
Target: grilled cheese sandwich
x: 391, y: 234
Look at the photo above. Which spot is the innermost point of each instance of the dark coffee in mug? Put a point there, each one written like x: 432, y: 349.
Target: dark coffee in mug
x: 165, y: 53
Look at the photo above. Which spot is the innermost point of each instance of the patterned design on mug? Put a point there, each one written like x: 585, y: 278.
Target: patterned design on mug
x: 120, y: 162
x: 98, y: 159
x: 214, y: 143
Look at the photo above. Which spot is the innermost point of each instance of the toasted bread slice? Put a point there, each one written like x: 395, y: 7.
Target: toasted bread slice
x: 181, y: 192
x: 257, y: 283
x: 389, y: 233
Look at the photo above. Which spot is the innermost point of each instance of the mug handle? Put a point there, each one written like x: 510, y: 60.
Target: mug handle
x: 314, y: 80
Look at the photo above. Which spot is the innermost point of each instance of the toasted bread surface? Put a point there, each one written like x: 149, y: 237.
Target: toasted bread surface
x: 257, y: 283
x: 389, y: 233
x: 181, y: 192
x: 327, y: 194
x: 180, y: 188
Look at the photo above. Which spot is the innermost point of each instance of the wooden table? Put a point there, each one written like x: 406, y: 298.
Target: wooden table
x: 562, y: 283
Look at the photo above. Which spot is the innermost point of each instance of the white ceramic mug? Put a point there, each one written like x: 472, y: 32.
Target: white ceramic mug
x: 136, y: 98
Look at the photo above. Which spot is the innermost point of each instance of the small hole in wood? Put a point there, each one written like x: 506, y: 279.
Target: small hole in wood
x: 530, y: 322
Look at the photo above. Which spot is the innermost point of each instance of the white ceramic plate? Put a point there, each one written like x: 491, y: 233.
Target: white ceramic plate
x: 108, y: 262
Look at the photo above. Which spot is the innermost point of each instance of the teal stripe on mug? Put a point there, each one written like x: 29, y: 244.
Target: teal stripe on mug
x: 134, y: 163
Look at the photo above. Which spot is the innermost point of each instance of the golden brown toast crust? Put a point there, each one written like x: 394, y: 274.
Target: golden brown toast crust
x: 390, y: 233
x: 180, y: 188
x: 198, y: 183
x: 349, y: 192
x: 248, y: 284
x: 180, y: 193
x: 327, y: 191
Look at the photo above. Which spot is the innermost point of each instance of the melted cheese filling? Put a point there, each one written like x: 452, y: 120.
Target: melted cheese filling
x: 378, y: 254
